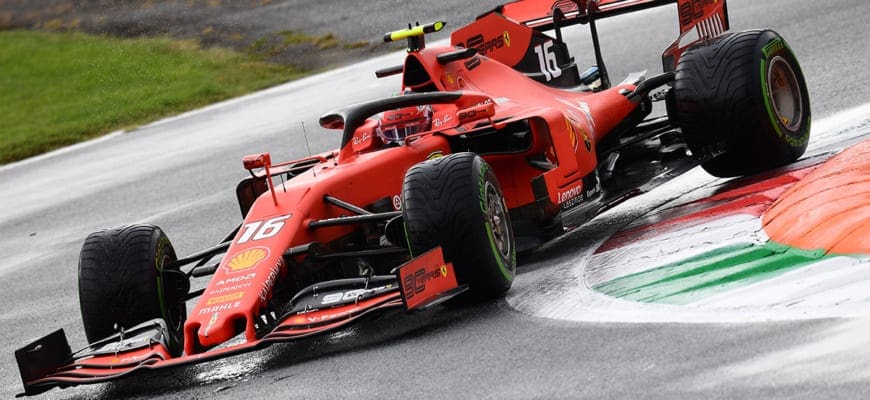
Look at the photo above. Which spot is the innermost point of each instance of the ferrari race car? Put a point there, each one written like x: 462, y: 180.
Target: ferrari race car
x: 496, y: 143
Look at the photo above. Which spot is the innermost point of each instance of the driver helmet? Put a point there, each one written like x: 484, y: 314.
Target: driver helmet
x: 395, y: 125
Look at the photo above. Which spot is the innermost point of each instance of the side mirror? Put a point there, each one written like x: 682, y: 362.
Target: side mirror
x: 332, y: 121
x: 252, y: 161
x: 262, y: 160
x: 474, y: 113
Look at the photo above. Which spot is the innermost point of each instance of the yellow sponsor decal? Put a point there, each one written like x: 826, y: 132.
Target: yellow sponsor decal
x: 224, y: 299
x: 211, y: 322
x: 247, y: 259
x: 571, y: 134
x: 586, y: 140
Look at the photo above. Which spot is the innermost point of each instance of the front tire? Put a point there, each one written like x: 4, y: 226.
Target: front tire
x: 125, y: 278
x: 456, y: 202
x: 742, y: 103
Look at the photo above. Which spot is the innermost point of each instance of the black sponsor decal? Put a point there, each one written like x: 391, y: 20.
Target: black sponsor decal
x: 475, y: 41
x: 565, y: 5
x: 416, y: 283
x: 582, y: 194
x: 686, y: 13
x: 690, y: 10
x: 484, y: 46
x: 266, y: 290
x: 472, y: 63
x: 464, y: 115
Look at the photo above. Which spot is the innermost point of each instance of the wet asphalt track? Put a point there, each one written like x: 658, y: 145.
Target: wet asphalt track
x: 180, y: 174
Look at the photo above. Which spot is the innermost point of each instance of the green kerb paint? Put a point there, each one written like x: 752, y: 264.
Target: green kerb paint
x: 709, y: 273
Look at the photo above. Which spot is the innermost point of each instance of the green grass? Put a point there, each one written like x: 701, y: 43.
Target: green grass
x: 58, y: 89
x: 324, y: 42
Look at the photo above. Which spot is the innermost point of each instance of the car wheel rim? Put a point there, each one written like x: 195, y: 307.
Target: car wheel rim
x: 174, y: 312
x: 785, y: 93
x: 498, y: 222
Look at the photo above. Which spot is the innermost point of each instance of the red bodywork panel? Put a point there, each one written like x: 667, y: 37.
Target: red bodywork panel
x: 496, y: 37
x: 425, y: 278
x: 242, y: 285
x: 571, y: 123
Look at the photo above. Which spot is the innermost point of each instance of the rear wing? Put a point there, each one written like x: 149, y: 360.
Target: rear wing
x: 540, y: 14
x: 527, y: 20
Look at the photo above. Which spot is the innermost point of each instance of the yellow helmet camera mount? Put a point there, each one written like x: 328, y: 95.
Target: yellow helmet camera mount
x: 416, y: 35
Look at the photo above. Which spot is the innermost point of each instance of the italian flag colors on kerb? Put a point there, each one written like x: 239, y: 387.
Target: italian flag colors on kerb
x: 797, y: 228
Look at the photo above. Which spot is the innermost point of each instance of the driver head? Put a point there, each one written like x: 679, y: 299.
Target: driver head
x: 395, y: 125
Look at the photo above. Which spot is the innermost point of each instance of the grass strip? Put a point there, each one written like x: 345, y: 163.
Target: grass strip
x: 58, y: 89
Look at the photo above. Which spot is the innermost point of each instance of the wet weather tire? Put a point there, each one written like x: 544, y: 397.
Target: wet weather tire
x: 456, y: 202
x: 125, y: 279
x: 742, y: 103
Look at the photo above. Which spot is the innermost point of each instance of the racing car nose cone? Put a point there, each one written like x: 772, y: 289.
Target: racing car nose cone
x: 210, y: 330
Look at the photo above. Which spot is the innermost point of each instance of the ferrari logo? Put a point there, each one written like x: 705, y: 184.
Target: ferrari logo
x: 507, y: 39
x: 443, y: 270
x: 572, y: 135
x: 211, y: 322
x: 586, y: 141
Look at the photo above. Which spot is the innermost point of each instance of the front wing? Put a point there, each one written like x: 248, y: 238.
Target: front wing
x: 49, y: 362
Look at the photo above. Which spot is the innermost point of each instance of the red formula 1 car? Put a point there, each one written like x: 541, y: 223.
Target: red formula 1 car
x: 496, y: 144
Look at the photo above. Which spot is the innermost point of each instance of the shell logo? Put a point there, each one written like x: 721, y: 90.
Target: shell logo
x: 247, y: 259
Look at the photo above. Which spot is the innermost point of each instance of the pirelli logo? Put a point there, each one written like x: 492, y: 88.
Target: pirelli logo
x: 226, y: 298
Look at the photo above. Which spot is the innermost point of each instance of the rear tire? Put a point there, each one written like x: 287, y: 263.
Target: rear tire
x: 125, y: 279
x: 456, y: 202
x: 742, y: 103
